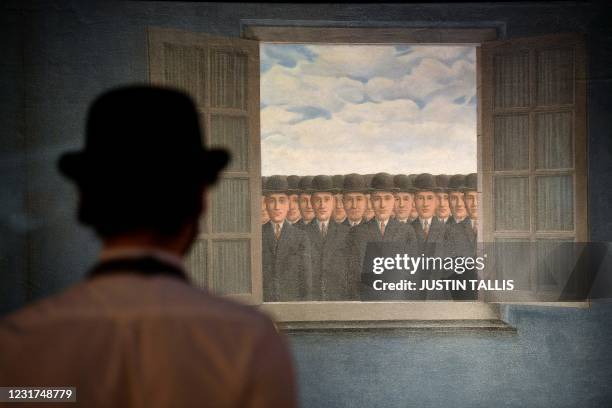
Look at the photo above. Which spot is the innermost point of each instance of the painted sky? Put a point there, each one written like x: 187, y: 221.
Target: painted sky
x: 338, y: 109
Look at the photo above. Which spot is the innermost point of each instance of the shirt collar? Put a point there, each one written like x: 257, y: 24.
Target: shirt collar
x: 422, y: 221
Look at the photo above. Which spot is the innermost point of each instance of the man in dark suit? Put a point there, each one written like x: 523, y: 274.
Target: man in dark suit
x: 328, y: 243
x: 462, y: 234
x: 400, y: 238
x: 286, y: 250
x: 430, y: 232
x: 305, y: 205
x: 428, y: 228
x: 354, y: 199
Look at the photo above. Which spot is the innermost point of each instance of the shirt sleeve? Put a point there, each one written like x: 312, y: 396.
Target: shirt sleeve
x: 271, y: 381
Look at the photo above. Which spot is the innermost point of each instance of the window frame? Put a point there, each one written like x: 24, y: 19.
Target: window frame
x: 296, y: 315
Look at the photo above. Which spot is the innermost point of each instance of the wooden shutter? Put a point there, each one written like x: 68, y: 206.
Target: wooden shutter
x: 222, y: 76
x: 532, y: 142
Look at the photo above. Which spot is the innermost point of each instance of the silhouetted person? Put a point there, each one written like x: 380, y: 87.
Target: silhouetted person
x: 135, y: 333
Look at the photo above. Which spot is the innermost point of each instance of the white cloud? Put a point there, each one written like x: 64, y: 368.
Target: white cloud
x: 411, y: 116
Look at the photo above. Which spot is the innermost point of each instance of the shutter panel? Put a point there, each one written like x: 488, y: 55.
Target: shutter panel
x: 532, y: 113
x: 222, y: 76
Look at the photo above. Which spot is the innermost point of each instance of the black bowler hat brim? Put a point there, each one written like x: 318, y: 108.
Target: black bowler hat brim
x: 81, y: 166
x: 390, y: 189
x: 325, y: 190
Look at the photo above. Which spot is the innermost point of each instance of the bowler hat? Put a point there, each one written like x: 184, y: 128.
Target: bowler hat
x: 471, y: 182
x: 354, y: 183
x: 276, y: 185
x: 323, y: 184
x: 143, y: 136
x: 425, y: 182
x: 368, y: 180
x: 304, y: 184
x: 292, y: 182
x: 383, y: 182
x: 338, y: 181
x: 403, y: 183
x: 442, y: 181
x: 456, y: 182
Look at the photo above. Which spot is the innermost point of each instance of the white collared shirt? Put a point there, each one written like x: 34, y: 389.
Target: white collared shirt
x: 321, y: 224
x: 422, y: 221
x: 443, y: 220
x: 280, y: 224
x: 382, y: 224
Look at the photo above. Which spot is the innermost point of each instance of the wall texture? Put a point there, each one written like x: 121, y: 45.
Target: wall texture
x: 58, y: 55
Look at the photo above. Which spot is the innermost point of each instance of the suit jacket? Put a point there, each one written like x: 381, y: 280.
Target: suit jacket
x: 434, y: 245
x: 398, y: 237
x: 348, y: 223
x: 329, y: 261
x: 461, y: 243
x: 126, y: 338
x: 286, y: 264
x: 300, y: 224
x: 434, y: 242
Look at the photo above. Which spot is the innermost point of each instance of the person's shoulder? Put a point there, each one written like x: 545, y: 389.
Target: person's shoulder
x: 342, y: 227
x: 296, y: 231
x: 132, y: 297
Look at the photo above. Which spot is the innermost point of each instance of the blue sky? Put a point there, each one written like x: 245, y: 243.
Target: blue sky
x: 337, y: 109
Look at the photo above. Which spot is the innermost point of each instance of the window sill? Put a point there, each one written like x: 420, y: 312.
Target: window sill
x: 493, y: 326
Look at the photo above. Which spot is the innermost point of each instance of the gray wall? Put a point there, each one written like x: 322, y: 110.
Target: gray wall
x: 58, y: 55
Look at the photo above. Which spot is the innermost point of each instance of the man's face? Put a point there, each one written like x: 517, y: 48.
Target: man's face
x: 414, y: 214
x: 294, y: 209
x: 443, y: 210
x: 306, y: 207
x: 425, y: 203
x: 264, y: 211
x: 339, y: 213
x: 403, y: 205
x: 277, y: 206
x: 355, y: 205
x: 323, y: 204
x: 471, y: 202
x: 457, y: 205
x: 383, y: 203
x: 369, y: 212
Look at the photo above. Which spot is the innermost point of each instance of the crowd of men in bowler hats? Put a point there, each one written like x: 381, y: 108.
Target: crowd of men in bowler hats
x: 316, y: 230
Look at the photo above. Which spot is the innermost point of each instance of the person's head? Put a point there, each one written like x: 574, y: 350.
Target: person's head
x: 277, y: 198
x: 471, y: 195
x: 443, y: 209
x: 425, y: 200
x: 264, y: 211
x: 353, y: 198
x: 277, y: 205
x: 294, y: 214
x: 382, y: 195
x: 144, y: 169
x: 456, y: 197
x: 339, y: 213
x: 323, y: 197
x: 404, y: 197
x: 306, y: 210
